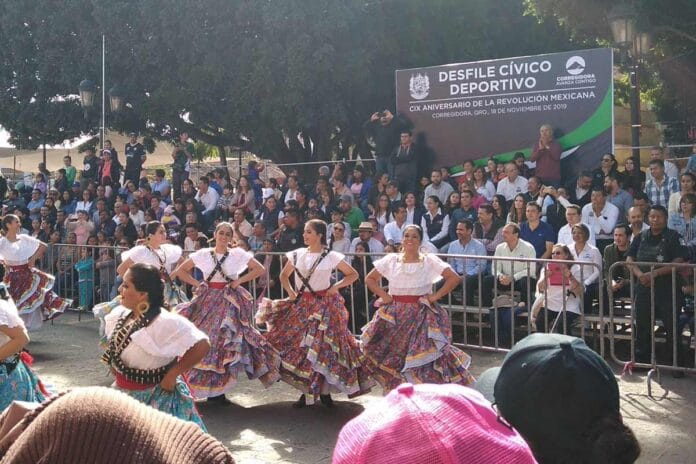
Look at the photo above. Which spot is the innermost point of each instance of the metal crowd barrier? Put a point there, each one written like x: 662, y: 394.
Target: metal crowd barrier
x: 670, y: 326
x: 476, y: 323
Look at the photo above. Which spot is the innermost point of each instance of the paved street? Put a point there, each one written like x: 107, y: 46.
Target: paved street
x: 262, y: 427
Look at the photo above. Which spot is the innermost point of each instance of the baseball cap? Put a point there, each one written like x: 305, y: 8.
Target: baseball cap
x: 347, y: 197
x: 429, y: 423
x: 76, y: 184
x: 552, y: 388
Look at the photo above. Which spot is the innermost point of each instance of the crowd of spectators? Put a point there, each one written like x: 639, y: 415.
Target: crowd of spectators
x: 502, y: 209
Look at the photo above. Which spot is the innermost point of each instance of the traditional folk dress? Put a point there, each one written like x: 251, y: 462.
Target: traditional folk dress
x: 30, y: 288
x: 165, y: 259
x: 17, y: 381
x: 409, y: 340
x: 226, y: 316
x: 140, y: 354
x: 320, y: 356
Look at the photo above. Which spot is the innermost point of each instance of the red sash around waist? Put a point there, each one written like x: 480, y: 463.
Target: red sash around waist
x: 123, y: 382
x: 406, y: 298
x: 217, y: 285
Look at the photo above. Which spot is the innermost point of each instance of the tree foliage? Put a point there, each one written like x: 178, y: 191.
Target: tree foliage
x: 243, y: 72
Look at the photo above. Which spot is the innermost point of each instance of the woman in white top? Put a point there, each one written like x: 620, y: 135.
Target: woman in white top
x: 590, y: 276
x: 483, y: 185
x: 435, y: 222
x: 409, y: 338
x: 310, y: 328
x: 150, y: 348
x: 223, y: 309
x: 155, y: 252
x: 30, y: 288
x: 86, y: 204
x: 559, y: 290
x: 17, y: 381
x: 338, y: 241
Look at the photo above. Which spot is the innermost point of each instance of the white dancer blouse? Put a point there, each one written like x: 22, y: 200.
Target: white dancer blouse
x: 411, y: 278
x: 167, y: 254
x: 18, y: 252
x: 167, y: 337
x: 9, y: 317
x: 321, y: 277
x: 236, y: 262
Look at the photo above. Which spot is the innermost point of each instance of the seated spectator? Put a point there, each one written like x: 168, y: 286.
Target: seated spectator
x: 290, y: 236
x: 359, y: 296
x: 376, y: 234
x: 511, y: 274
x: 393, y: 192
x: 337, y: 218
x: 608, y: 167
x: 580, y: 191
x: 513, y: 184
x: 258, y: 235
x: 486, y: 230
x: 381, y: 211
x: 684, y: 222
x: 471, y: 270
x: 35, y: 204
x: 620, y: 279
x: 414, y: 212
x: 81, y: 226
x: 687, y: 184
x: 641, y: 200
x: 559, y: 291
x: 452, y: 202
x: 573, y: 217
x: 518, y: 210
x: 240, y: 226
x: 438, y: 188
x: 365, y: 231
x: 339, y: 186
x: 618, y: 196
x: 428, y: 423
x: 351, y: 214
x: 244, y: 196
x: 465, y: 211
x: 601, y: 217
x: 659, y: 185
x: 379, y: 187
x: 563, y: 398
x: 394, y: 231
x: 188, y: 190
x: 670, y: 169
x: 271, y: 215
x: 591, y: 275
x: 539, y: 234
x: 482, y: 184
x: 338, y: 240
x: 633, y: 177
x: 208, y: 198
x: 500, y: 210
x: 360, y: 186
x: 636, y: 221
x: 534, y: 187
x: 435, y: 223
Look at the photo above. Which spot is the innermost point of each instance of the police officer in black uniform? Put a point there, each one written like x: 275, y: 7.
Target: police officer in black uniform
x: 658, y: 244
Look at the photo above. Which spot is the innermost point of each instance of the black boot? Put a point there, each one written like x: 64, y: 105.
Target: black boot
x: 326, y: 400
x: 219, y: 399
x: 300, y: 403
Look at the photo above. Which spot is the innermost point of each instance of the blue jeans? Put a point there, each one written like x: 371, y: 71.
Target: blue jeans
x: 502, y: 323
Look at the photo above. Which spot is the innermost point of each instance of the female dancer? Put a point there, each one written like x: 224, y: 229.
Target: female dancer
x: 409, y: 338
x: 223, y: 309
x: 158, y: 253
x: 150, y: 348
x: 17, y: 380
x: 29, y: 287
x: 310, y: 328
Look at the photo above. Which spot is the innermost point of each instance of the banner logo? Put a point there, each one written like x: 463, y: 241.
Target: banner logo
x: 575, y: 65
x: 419, y: 86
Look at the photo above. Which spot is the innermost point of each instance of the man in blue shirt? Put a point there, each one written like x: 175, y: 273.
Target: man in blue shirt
x: 468, y: 268
x: 539, y: 234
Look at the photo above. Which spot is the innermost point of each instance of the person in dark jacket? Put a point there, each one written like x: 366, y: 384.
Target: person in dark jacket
x: 384, y: 128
